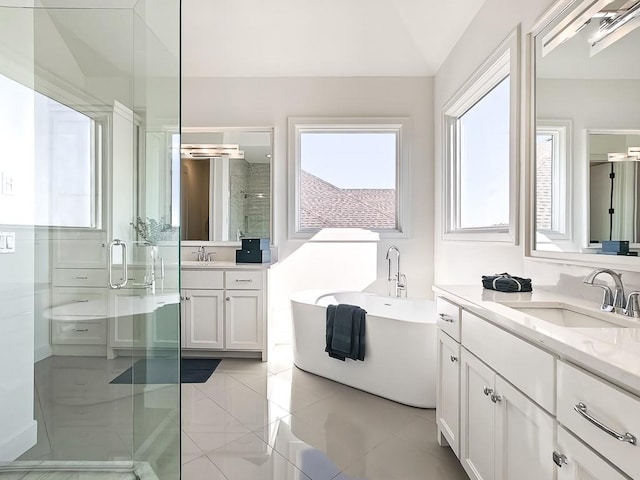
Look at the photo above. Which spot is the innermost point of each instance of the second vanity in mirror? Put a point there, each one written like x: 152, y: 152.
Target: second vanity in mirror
x: 587, y: 130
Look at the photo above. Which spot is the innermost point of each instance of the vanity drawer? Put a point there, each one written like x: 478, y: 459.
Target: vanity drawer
x: 80, y: 277
x: 244, y: 280
x: 581, y: 394
x: 202, y: 279
x: 527, y: 367
x: 448, y: 318
x: 90, y: 301
x: 84, y: 332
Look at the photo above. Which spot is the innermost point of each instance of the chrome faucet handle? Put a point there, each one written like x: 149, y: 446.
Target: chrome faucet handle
x: 401, y: 284
x: 632, y: 308
x: 607, y: 297
x: 210, y: 256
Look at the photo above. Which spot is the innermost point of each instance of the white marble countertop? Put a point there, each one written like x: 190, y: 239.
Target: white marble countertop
x: 612, y: 352
x: 226, y: 265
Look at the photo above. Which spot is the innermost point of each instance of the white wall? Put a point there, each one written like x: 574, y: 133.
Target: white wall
x: 465, y: 262
x: 250, y: 102
x: 17, y: 425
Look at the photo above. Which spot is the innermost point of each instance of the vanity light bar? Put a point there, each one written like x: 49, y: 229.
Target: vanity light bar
x: 572, y: 24
x: 613, y: 29
x: 211, y: 151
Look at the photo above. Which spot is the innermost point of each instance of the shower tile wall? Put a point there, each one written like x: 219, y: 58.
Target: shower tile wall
x: 250, y: 202
x: 258, y: 204
x: 238, y: 173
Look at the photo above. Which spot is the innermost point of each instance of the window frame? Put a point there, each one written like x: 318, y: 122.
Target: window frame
x: 504, y: 62
x: 397, y: 125
x: 561, y: 217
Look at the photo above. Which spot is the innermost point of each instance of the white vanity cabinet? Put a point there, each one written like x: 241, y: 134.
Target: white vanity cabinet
x: 448, y: 377
x: 602, y: 415
x: 526, y: 411
x: 502, y: 433
x: 224, y: 310
x: 202, y: 319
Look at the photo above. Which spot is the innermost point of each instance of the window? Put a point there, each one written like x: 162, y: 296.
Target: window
x: 552, y: 188
x: 56, y: 167
x: 349, y: 173
x: 67, y: 166
x: 481, y: 144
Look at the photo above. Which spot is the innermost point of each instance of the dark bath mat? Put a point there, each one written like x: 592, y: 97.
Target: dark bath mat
x: 165, y: 371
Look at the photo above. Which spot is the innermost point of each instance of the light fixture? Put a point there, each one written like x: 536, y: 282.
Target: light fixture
x: 211, y: 151
x: 632, y: 155
x: 614, y: 28
x: 572, y: 24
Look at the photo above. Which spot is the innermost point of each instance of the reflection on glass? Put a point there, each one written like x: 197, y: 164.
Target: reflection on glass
x: 544, y: 181
x: 484, y: 147
x: 613, y: 187
x: 594, y: 86
x: 226, y: 185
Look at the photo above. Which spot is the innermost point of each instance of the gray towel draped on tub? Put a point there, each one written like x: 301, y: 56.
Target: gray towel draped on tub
x: 345, y: 332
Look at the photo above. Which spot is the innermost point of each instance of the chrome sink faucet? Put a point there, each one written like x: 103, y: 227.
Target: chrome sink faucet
x: 202, y: 254
x: 610, y: 301
x: 399, y: 279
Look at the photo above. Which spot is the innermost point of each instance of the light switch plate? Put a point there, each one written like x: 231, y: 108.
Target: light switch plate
x: 7, y: 242
x: 8, y: 184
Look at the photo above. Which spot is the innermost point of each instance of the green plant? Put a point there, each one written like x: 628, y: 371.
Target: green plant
x: 153, y: 231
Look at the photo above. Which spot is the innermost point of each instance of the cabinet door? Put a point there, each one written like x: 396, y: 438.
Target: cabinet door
x: 204, y: 319
x: 525, y: 436
x: 124, y: 330
x: 244, y: 320
x: 448, y: 383
x: 477, y: 432
x: 575, y: 461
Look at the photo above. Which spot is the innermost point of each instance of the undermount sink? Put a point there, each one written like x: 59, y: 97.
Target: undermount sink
x: 573, y: 317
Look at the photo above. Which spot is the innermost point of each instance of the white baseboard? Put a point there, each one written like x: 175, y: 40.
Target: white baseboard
x: 16, y: 443
x: 41, y: 352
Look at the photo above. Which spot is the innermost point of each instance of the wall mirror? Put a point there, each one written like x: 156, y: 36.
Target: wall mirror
x: 225, y: 180
x: 587, y: 124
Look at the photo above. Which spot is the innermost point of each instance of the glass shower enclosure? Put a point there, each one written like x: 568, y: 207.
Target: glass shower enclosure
x: 89, y: 239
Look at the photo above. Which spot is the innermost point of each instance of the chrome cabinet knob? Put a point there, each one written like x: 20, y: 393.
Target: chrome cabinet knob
x: 453, y: 358
x: 487, y: 391
x: 495, y: 398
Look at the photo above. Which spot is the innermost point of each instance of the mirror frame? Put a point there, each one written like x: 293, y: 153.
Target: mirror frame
x: 271, y: 131
x: 530, y: 253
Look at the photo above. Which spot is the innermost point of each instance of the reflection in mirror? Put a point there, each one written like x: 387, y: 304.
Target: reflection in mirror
x: 613, y: 187
x: 226, y: 184
x: 587, y: 75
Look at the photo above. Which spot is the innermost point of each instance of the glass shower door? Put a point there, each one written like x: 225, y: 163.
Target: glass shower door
x: 89, y: 238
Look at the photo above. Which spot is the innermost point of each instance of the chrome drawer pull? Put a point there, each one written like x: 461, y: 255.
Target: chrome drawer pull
x: 487, y: 391
x: 80, y: 329
x: 445, y: 317
x: 581, y: 408
x: 80, y: 301
x: 453, y: 358
x: 248, y: 280
x: 559, y: 459
x: 81, y: 277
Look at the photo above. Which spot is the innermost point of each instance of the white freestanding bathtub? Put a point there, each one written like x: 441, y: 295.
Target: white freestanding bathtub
x: 400, y: 348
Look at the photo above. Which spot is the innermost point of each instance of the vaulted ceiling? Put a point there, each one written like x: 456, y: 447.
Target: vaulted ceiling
x: 242, y: 38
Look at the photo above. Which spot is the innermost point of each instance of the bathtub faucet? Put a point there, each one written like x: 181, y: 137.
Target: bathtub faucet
x: 399, y: 279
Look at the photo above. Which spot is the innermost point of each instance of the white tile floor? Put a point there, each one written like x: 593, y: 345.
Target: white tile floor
x: 250, y: 421
x: 254, y: 420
